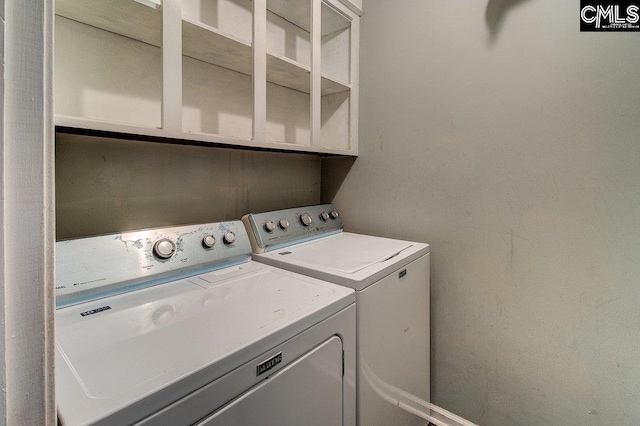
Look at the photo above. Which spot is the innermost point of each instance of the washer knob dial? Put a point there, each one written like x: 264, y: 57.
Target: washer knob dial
x: 164, y: 248
x: 334, y: 214
x: 283, y: 223
x: 209, y: 241
x: 269, y: 226
x: 305, y: 219
x: 324, y: 216
x: 229, y: 237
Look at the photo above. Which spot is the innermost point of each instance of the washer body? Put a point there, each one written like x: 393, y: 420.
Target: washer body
x: 391, y: 279
x: 225, y: 341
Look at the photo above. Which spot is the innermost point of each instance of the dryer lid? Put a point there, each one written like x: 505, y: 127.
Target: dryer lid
x: 345, y: 253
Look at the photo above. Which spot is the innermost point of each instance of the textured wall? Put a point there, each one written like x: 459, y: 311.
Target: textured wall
x: 108, y: 185
x: 509, y: 141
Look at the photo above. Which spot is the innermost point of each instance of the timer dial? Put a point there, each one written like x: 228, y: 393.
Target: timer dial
x: 283, y: 223
x: 164, y: 248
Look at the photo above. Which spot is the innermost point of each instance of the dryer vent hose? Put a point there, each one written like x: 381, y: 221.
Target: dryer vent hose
x: 404, y: 400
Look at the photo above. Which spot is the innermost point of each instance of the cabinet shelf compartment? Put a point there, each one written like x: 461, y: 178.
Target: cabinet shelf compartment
x: 336, y: 45
x: 288, y: 46
x: 108, y: 66
x: 217, y: 68
x: 219, y: 33
x: 335, y: 108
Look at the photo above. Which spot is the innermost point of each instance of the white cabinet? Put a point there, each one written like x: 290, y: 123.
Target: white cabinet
x: 276, y: 74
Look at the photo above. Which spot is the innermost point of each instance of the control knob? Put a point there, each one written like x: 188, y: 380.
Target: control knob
x: 269, y: 226
x: 283, y: 223
x: 305, y: 219
x: 229, y: 237
x: 164, y: 248
x: 324, y: 216
x: 209, y: 241
x: 334, y: 214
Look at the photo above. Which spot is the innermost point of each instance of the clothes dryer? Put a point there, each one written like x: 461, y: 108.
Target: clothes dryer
x: 391, y: 279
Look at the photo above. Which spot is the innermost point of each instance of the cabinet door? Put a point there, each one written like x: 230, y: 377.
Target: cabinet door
x: 308, y: 392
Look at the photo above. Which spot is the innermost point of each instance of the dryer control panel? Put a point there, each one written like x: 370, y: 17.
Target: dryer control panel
x: 95, y: 267
x: 280, y: 228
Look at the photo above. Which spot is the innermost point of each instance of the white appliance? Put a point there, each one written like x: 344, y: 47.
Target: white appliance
x: 177, y: 326
x: 391, y: 279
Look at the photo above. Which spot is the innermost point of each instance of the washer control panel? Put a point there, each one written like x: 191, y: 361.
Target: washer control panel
x: 293, y: 226
x: 94, y: 267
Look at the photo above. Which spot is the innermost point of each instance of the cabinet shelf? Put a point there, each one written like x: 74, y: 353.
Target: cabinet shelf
x: 207, y: 44
x: 330, y: 86
x: 332, y: 20
x: 137, y: 19
x: 300, y: 15
x: 80, y: 126
x: 288, y: 73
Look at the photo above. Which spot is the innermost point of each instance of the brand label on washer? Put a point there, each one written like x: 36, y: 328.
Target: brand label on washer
x: 95, y: 311
x: 267, y: 365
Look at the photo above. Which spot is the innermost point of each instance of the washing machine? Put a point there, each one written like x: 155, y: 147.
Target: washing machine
x: 391, y: 280
x: 177, y: 326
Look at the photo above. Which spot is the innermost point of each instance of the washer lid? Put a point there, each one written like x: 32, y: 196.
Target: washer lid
x: 122, y: 358
x: 344, y: 253
x: 351, y: 260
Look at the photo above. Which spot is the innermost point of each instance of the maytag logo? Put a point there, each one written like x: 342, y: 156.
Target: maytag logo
x: 267, y: 365
x: 619, y: 16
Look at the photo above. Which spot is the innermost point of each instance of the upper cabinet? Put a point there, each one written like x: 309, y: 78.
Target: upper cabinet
x: 275, y: 74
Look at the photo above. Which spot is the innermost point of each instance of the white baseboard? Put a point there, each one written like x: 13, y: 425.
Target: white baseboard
x: 446, y: 418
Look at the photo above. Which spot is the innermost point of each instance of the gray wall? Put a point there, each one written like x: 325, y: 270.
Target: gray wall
x: 108, y: 185
x: 509, y: 141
